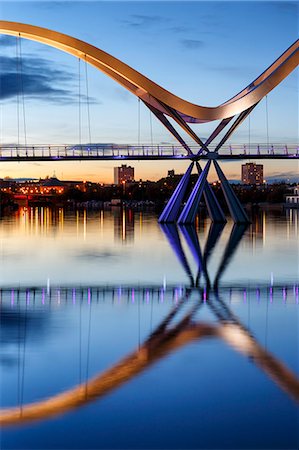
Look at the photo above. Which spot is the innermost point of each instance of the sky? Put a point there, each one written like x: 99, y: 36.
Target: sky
x: 204, y: 52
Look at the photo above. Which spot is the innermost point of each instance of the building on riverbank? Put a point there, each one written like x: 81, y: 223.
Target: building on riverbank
x: 252, y: 173
x: 292, y: 201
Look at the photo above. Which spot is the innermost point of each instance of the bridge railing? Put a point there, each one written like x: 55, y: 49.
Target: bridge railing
x: 260, y: 149
x: 114, y: 151
x: 91, y: 151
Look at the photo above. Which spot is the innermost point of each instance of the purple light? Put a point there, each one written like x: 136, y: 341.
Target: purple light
x: 74, y: 296
x: 147, y: 296
x: 88, y: 296
x: 284, y: 294
x: 244, y: 296
x: 43, y: 296
x: 133, y: 295
x: 27, y: 297
x: 204, y: 295
x: 12, y: 297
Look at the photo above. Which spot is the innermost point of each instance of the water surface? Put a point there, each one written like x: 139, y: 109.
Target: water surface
x: 199, y: 326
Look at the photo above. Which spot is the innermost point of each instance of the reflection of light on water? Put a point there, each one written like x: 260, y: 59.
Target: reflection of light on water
x: 61, y: 219
x: 264, y: 228
x: 27, y: 297
x: 42, y: 220
x: 123, y: 225
x: 36, y: 214
x: 102, y: 222
x: 84, y: 224
x: 140, y: 223
x: 77, y: 223
x: 164, y: 282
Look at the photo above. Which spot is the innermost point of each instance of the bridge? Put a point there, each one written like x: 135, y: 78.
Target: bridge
x: 165, y: 105
x: 144, y: 152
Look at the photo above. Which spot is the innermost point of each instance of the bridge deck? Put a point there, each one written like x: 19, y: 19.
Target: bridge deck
x: 142, y: 152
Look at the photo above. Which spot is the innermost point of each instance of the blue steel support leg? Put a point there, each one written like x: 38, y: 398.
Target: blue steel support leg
x: 189, y: 212
x: 235, y: 208
x: 171, y: 211
x: 214, y: 209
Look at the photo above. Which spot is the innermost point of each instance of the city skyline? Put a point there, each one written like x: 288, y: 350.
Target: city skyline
x: 214, y: 75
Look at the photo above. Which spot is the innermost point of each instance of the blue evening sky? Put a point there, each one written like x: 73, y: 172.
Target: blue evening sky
x: 202, y: 51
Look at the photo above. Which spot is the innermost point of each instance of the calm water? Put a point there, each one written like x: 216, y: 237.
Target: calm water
x: 117, y: 333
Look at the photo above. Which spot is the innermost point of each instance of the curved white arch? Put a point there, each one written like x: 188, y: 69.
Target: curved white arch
x: 152, y: 93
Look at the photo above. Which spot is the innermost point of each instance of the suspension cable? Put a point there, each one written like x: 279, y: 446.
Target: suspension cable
x: 79, y: 99
x: 249, y: 134
x: 87, y: 98
x: 18, y: 86
x: 22, y: 91
x: 138, y: 121
x: 267, y: 122
x: 151, y: 127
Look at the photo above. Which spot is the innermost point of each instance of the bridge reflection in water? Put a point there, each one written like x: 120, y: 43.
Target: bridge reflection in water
x: 181, y: 325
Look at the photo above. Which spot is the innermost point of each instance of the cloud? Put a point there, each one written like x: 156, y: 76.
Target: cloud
x: 144, y: 21
x: 192, y: 44
x: 230, y: 70
x: 37, y: 79
x: 123, y: 94
x: 180, y: 29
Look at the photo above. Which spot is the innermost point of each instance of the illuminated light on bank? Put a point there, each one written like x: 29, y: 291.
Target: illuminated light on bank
x: 58, y: 296
x: 244, y: 296
x: 12, y: 301
x: 43, y: 296
x: 133, y: 295
x: 284, y: 294
x: 147, y: 296
x: 162, y: 295
x: 88, y: 296
x: 74, y: 296
x: 271, y: 294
